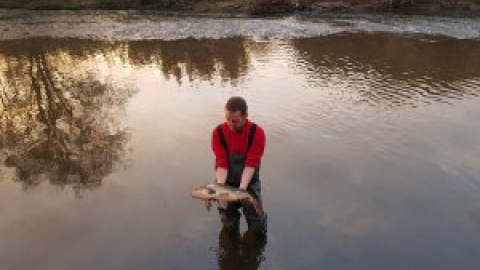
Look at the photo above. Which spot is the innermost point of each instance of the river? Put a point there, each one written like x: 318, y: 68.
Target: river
x: 372, y: 123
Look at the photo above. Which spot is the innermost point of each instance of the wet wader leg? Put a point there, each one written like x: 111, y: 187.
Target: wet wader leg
x: 230, y: 217
x: 256, y: 223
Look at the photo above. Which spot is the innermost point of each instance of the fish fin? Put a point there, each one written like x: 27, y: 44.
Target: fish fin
x: 222, y: 204
x: 208, y: 205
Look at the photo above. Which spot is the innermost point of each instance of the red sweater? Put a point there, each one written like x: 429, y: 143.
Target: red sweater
x: 237, y: 143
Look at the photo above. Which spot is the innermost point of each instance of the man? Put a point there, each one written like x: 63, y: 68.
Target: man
x: 238, y: 145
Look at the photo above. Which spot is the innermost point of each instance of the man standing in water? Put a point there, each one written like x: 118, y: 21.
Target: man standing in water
x: 238, y: 145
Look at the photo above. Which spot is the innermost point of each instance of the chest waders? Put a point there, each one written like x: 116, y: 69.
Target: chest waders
x: 230, y: 216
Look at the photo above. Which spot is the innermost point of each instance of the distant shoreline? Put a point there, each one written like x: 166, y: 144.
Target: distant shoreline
x: 262, y: 7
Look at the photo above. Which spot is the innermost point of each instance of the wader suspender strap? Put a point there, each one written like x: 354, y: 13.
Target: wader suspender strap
x: 251, y: 135
x: 222, y: 138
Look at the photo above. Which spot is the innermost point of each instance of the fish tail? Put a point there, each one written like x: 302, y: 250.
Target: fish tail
x: 257, y: 205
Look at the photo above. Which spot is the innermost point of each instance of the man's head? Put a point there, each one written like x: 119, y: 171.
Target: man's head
x: 236, y: 112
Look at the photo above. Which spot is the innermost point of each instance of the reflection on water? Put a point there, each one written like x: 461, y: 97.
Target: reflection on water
x: 193, y: 59
x: 240, y: 251
x: 57, y: 123
x: 394, y: 69
x: 380, y: 68
x: 60, y: 120
x: 348, y: 181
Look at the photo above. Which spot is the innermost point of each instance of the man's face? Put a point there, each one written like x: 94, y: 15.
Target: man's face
x: 235, y: 120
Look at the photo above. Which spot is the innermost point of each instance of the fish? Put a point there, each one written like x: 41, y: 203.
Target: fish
x: 224, y: 194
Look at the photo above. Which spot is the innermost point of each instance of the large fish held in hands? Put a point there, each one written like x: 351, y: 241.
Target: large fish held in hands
x: 224, y: 194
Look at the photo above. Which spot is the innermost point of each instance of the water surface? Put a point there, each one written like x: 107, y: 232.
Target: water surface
x: 372, y: 144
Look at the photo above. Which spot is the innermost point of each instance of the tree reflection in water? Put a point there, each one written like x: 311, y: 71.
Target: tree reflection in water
x: 57, y: 124
x: 59, y: 121
x: 193, y: 59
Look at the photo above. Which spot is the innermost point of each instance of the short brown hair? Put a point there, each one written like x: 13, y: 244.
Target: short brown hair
x: 237, y: 104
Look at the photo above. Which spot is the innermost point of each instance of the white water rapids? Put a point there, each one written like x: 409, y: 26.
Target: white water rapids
x: 135, y: 25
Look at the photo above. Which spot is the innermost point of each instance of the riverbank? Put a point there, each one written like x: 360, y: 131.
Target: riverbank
x: 262, y: 7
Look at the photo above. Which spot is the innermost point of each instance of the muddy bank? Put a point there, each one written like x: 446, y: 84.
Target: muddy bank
x: 265, y: 7
x: 426, y: 7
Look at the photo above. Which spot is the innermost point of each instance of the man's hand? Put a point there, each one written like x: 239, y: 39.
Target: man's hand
x: 246, y: 177
x: 221, y: 175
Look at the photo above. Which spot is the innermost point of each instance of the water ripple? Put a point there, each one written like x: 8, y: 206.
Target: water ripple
x: 136, y: 25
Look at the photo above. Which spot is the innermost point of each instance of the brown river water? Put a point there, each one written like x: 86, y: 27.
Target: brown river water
x: 373, y: 140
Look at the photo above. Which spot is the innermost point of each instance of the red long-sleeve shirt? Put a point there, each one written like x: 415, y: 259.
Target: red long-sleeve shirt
x: 237, y: 142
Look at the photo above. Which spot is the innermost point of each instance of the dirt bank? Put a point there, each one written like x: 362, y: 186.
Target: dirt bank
x: 265, y: 7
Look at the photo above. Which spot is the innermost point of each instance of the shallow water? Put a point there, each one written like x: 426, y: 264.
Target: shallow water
x: 371, y: 161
